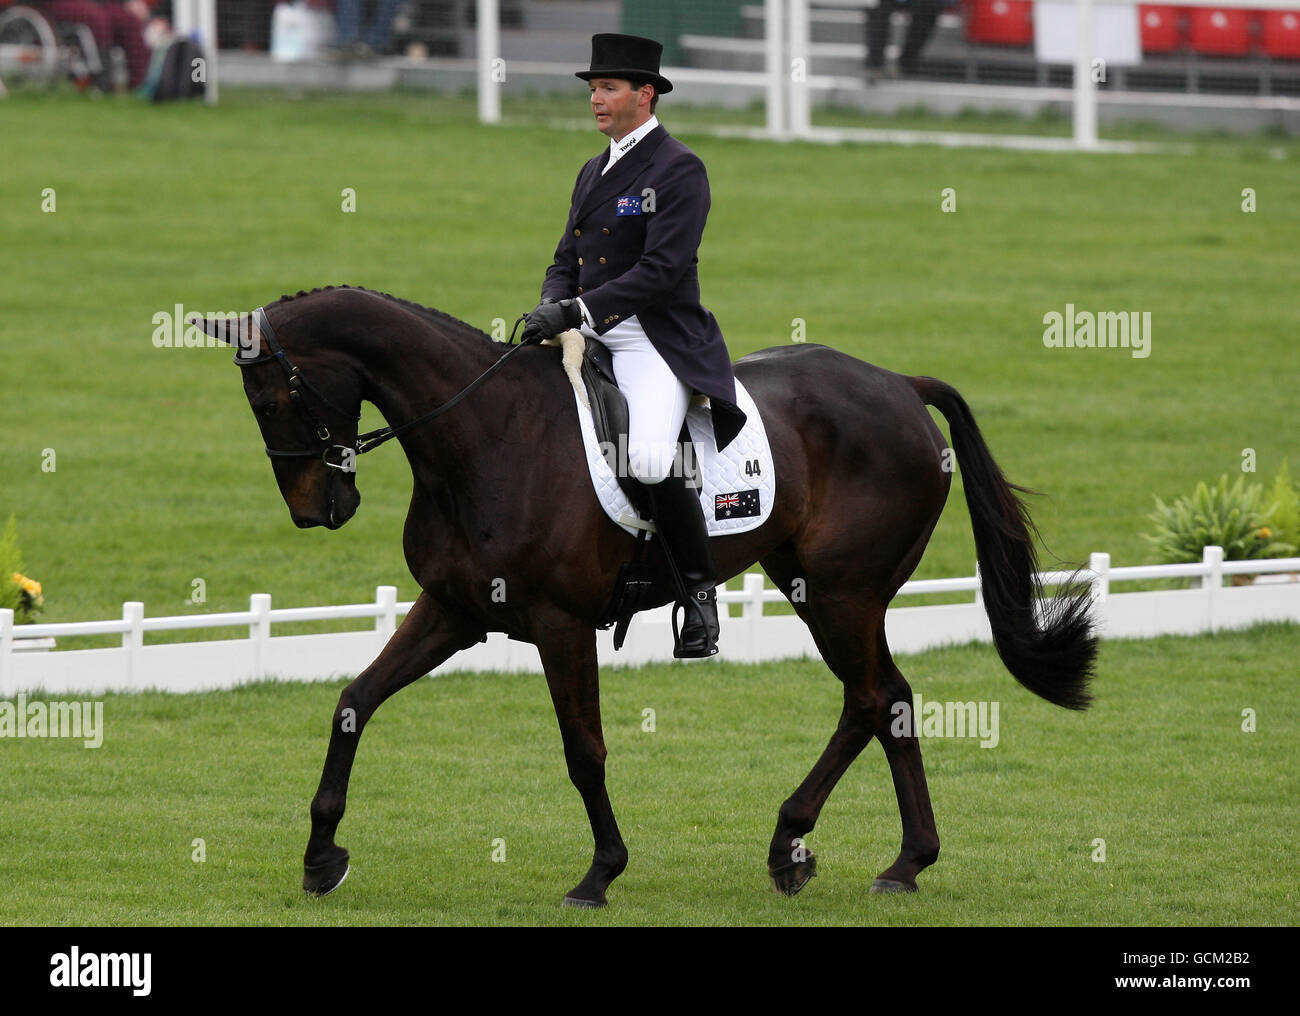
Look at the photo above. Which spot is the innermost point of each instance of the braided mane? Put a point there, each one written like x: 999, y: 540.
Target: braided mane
x: 428, y: 313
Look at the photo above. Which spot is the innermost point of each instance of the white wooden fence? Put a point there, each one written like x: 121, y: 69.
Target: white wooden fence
x: 755, y: 635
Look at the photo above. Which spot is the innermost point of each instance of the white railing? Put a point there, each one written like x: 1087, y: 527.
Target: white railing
x: 788, y: 83
x: 795, y: 37
x: 756, y: 635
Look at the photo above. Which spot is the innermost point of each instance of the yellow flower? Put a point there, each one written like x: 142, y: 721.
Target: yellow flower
x: 1265, y: 533
x: 29, y: 586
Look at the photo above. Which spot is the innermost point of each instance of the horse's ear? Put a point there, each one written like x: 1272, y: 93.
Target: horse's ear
x: 217, y: 327
x: 237, y: 330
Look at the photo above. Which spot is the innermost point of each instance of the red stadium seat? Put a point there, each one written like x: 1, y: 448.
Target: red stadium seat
x: 1161, y: 28
x: 1000, y: 22
x: 1280, y: 32
x: 1214, y: 31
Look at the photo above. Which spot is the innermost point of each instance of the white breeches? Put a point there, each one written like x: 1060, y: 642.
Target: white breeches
x: 656, y: 400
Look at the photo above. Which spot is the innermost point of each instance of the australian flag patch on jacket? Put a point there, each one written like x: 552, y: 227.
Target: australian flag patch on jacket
x: 739, y: 505
x: 629, y: 205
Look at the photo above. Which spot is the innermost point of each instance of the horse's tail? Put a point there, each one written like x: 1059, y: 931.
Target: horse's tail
x: 1051, y: 655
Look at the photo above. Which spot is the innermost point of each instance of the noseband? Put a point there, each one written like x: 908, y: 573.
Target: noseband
x: 298, y: 384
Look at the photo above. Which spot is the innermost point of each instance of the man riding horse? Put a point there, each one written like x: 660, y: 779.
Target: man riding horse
x: 625, y: 272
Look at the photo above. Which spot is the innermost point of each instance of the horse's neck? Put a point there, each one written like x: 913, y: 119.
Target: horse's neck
x: 414, y: 366
x: 420, y: 368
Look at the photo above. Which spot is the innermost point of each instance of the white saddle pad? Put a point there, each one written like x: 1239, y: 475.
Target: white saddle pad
x: 738, y: 483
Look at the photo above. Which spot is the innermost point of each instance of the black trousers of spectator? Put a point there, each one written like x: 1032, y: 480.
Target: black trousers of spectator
x: 244, y: 24
x: 923, y: 14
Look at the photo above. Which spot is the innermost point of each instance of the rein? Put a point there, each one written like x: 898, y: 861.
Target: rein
x: 369, y: 441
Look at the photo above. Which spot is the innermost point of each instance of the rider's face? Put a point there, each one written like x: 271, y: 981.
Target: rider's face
x: 618, y: 106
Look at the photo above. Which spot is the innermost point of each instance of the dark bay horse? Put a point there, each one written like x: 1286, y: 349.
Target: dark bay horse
x: 502, y: 491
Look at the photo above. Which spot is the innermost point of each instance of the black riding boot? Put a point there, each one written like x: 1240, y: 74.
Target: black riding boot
x: 680, y: 523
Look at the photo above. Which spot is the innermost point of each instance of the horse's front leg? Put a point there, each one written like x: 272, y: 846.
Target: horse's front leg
x: 426, y: 638
x: 568, y: 655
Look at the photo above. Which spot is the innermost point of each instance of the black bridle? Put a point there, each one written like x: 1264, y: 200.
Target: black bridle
x: 298, y: 384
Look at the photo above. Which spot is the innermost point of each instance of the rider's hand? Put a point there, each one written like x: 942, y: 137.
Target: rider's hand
x: 549, y: 318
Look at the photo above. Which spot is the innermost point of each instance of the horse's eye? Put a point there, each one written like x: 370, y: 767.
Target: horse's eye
x: 269, y: 410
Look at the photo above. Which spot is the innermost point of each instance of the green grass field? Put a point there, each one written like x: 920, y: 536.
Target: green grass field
x: 159, y: 479
x: 1199, y: 818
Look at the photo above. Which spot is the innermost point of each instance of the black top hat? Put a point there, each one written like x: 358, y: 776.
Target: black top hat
x: 628, y: 57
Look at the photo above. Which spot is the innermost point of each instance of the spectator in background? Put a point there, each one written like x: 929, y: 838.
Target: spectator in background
x: 111, y: 24
x: 376, y: 37
x: 922, y: 17
x: 244, y: 24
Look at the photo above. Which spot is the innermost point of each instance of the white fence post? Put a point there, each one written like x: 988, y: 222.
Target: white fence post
x: 386, y: 600
x: 752, y: 614
x: 208, y: 38
x: 6, y: 642
x: 1213, y: 560
x: 133, y: 637
x: 197, y: 19
x: 1099, y: 564
x: 489, y: 49
x: 1085, y: 91
x: 798, y: 70
x: 259, y: 604
x: 775, y: 67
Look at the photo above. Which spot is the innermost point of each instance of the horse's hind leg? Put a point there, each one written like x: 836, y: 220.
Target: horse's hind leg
x: 903, y: 751
x: 424, y: 640
x: 850, y: 637
x: 789, y: 862
x: 843, y: 633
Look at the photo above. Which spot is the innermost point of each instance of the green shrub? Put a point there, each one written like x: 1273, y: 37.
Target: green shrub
x: 1235, y: 518
x: 1284, y: 517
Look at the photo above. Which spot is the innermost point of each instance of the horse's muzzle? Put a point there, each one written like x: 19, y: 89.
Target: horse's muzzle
x: 342, y: 505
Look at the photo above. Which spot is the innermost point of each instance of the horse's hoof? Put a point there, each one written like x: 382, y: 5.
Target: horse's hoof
x: 322, y: 879
x: 888, y: 885
x: 790, y: 878
x: 580, y: 904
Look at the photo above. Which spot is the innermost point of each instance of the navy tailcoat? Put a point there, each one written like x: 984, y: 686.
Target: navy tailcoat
x: 630, y: 248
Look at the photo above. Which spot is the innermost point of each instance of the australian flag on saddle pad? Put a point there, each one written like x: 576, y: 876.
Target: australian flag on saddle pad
x: 738, y: 505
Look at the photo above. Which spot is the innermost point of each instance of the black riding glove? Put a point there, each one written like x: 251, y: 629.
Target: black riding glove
x: 549, y: 318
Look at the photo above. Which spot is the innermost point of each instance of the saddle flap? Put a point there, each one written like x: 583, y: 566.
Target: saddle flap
x: 609, y: 416
x: 600, y: 361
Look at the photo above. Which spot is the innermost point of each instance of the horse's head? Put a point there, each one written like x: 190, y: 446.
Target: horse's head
x: 307, y: 405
